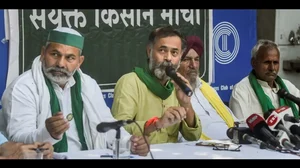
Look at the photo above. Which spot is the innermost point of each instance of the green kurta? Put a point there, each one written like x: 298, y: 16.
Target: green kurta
x: 133, y: 100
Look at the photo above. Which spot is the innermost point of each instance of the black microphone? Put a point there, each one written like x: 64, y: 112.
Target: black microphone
x: 170, y: 71
x: 295, y: 129
x: 106, y: 126
x: 285, y: 94
x: 236, y: 134
x: 276, y: 123
x: 244, y: 135
x: 287, y: 115
x: 260, y: 128
x: 285, y: 141
x: 262, y: 145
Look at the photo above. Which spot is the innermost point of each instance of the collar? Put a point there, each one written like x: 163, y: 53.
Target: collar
x: 198, y: 83
x: 265, y: 84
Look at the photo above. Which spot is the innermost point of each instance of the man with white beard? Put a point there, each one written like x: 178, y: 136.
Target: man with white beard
x: 56, y: 102
x: 215, y: 116
x: 148, y: 96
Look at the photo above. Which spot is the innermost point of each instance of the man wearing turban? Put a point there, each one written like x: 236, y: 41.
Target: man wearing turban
x: 215, y: 116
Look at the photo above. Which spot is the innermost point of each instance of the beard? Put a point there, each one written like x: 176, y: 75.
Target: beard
x: 192, y: 76
x: 60, y: 79
x: 158, y: 69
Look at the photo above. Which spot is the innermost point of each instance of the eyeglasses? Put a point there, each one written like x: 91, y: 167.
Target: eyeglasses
x: 227, y: 147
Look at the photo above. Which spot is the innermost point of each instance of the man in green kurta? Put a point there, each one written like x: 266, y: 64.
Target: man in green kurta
x: 148, y: 96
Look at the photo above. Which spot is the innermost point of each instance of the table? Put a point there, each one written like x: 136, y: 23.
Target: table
x: 188, y: 150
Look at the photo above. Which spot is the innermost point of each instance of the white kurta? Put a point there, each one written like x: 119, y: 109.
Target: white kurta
x: 244, y: 102
x: 26, y: 106
x: 213, y: 125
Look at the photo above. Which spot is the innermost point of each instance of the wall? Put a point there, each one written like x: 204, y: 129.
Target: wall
x: 287, y: 20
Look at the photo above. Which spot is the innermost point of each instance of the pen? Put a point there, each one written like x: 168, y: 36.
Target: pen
x: 38, y: 150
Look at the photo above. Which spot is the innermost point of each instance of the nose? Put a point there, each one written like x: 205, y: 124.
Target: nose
x: 168, y: 56
x: 61, y: 62
x: 271, y: 67
x: 192, y: 63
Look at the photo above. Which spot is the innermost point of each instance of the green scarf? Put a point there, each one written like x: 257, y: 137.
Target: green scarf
x: 77, y: 108
x: 153, y: 84
x: 265, y: 101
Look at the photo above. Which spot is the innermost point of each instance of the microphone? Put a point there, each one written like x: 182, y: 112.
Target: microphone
x: 106, y: 126
x: 295, y: 129
x: 285, y: 94
x: 236, y: 134
x: 259, y: 127
x: 170, y: 71
x: 284, y: 141
x: 262, y: 145
x: 240, y: 135
x: 274, y: 121
x: 287, y: 114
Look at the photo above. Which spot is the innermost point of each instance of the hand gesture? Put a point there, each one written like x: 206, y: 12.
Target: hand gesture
x: 183, y: 99
x: 139, y: 145
x: 57, y: 125
x: 47, y: 149
x: 171, y: 116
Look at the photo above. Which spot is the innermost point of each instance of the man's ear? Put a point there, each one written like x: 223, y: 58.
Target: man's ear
x: 81, y: 59
x: 148, y: 51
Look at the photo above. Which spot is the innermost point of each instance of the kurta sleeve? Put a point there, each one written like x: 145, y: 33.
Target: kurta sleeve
x: 126, y: 102
x: 20, y: 107
x: 191, y: 133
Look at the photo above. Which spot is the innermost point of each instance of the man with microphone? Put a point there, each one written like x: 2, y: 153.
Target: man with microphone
x: 149, y: 96
x: 215, y: 116
x: 257, y: 93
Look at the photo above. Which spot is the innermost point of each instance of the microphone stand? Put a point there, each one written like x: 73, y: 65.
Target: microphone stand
x: 117, y: 143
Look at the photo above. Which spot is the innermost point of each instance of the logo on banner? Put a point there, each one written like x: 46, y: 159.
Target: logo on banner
x: 226, y: 42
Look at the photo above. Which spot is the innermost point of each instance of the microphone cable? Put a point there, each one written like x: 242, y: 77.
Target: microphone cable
x: 144, y: 136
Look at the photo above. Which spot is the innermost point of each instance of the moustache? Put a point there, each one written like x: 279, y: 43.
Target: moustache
x: 61, y: 70
x: 164, y: 64
x: 271, y: 73
x: 192, y: 71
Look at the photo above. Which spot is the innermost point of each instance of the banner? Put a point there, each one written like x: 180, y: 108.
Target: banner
x: 3, y: 55
x: 234, y: 35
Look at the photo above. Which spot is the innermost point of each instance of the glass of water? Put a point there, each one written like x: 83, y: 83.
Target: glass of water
x: 124, y: 150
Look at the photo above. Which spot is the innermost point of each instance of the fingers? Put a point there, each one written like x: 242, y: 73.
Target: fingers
x: 46, y: 148
x: 58, y: 131
x: 139, y: 145
x: 57, y: 125
x: 48, y: 153
x: 183, y: 79
x: 176, y: 114
x: 58, y: 116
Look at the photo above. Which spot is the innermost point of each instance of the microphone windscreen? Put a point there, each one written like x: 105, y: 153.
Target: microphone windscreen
x: 170, y: 71
x: 253, y: 120
x: 281, y: 92
x: 268, y: 113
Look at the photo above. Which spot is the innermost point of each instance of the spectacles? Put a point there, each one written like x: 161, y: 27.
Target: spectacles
x: 227, y: 147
